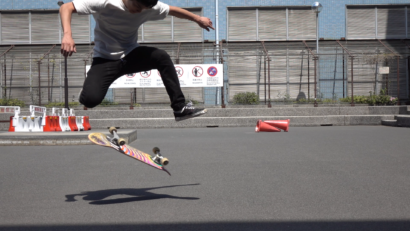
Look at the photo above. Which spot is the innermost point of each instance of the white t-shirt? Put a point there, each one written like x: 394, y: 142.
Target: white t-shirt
x: 116, y: 30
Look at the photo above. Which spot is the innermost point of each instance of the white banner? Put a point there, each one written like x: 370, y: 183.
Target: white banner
x: 192, y: 75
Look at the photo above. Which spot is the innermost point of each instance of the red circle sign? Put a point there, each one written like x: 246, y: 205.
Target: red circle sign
x: 131, y: 75
x: 212, y: 71
x: 145, y: 74
x: 197, y: 71
x: 180, y: 71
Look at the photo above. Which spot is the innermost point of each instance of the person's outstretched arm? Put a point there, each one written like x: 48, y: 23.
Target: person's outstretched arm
x: 67, y: 43
x: 203, y: 22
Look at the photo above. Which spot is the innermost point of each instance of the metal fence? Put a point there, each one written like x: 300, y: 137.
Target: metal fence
x: 293, y: 72
x: 278, y: 72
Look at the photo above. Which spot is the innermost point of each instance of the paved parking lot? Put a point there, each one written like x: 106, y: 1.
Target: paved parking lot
x: 310, y: 178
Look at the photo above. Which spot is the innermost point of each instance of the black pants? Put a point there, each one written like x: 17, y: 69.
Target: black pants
x: 104, y: 72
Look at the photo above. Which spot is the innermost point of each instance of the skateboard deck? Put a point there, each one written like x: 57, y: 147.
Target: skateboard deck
x: 103, y: 140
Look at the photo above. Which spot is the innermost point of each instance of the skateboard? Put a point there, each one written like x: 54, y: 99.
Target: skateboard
x: 119, y: 144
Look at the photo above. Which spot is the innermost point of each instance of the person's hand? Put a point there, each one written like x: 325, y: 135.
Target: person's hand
x: 68, y: 46
x: 205, y: 23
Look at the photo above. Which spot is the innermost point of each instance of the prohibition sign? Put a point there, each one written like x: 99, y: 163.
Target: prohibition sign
x: 197, y: 71
x: 145, y: 74
x: 180, y: 71
x: 130, y: 75
x: 212, y: 71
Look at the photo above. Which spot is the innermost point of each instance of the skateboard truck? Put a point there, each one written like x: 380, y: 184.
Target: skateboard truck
x: 116, y: 139
x: 158, y: 158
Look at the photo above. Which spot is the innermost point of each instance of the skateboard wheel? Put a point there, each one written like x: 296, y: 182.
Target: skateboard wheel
x: 112, y: 129
x: 164, y: 161
x: 122, y: 141
x: 155, y: 150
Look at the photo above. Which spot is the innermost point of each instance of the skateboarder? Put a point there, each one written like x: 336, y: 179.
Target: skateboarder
x: 117, y: 52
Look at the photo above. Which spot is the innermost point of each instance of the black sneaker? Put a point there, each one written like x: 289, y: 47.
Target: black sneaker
x: 188, y: 111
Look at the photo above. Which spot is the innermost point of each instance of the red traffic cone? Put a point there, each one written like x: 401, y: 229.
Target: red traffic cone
x: 264, y: 127
x: 282, y: 124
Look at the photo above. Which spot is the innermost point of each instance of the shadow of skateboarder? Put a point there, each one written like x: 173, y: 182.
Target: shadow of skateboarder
x: 99, y: 197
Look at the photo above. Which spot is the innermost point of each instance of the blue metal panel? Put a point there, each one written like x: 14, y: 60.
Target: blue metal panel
x: 6, y: 4
x: 28, y: 4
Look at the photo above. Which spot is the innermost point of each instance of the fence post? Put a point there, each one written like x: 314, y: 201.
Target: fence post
x: 268, y: 56
x: 39, y: 83
x: 352, y: 103
x: 132, y: 100
x: 398, y: 80
x: 223, y: 77
x: 344, y: 73
x: 39, y: 73
x: 65, y: 82
x: 1, y: 80
x: 315, y: 59
x: 85, y: 69
x: 5, y: 77
x: 85, y: 76
x: 135, y: 95
x: 351, y: 56
x: 264, y: 73
x: 48, y: 78
x: 269, y: 104
x: 308, y: 77
x: 5, y: 70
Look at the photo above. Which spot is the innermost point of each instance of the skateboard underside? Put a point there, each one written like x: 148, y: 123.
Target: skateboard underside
x: 101, y: 139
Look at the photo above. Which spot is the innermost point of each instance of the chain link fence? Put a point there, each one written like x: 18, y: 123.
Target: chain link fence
x: 278, y: 72
x: 292, y: 72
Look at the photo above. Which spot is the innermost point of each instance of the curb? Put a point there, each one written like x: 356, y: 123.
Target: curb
x: 58, y: 138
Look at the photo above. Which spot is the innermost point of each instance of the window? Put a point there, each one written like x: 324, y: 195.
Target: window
x: 301, y: 24
x: 40, y: 27
x: 15, y: 28
x: 45, y: 27
x: 171, y: 29
x: 158, y: 31
x: 187, y: 31
x: 377, y: 22
x: 242, y: 25
x: 80, y: 26
x: 271, y: 24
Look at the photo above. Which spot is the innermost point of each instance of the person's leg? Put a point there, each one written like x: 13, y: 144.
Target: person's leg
x: 102, y: 74
x: 147, y: 58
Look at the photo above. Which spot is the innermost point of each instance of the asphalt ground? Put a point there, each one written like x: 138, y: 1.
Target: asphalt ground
x: 310, y: 178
